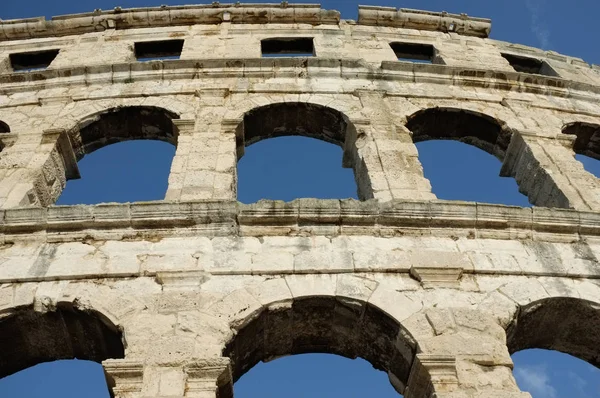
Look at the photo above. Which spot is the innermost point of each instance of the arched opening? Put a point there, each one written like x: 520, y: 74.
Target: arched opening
x: 29, y: 338
x: 464, y: 172
x: 586, y: 145
x: 123, y: 124
x: 553, y: 374
x: 286, y: 168
x: 312, y: 375
x: 302, y: 120
x: 4, y: 128
x: 587, y: 138
x: 472, y: 128
x: 542, y: 335
x: 67, y: 378
x: 327, y: 325
x: 126, y: 171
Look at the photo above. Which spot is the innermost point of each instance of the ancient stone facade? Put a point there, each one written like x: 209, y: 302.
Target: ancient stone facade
x: 178, y: 298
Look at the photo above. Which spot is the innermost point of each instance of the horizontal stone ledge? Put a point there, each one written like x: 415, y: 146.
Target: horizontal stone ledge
x: 328, y: 217
x: 133, y: 18
x: 238, y: 13
x: 191, y: 279
x: 139, y: 215
x: 445, y: 22
x: 297, y: 68
x: 74, y: 277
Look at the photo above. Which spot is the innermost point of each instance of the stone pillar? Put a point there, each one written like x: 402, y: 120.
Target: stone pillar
x: 392, y: 156
x: 548, y: 173
x: 360, y: 154
x: 35, y: 168
x: 466, y: 357
x: 201, y: 378
x: 204, y: 165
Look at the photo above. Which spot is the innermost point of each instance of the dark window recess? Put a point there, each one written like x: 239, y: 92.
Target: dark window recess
x: 32, y: 60
x: 164, y: 49
x: 414, y: 52
x: 529, y: 65
x: 289, y: 47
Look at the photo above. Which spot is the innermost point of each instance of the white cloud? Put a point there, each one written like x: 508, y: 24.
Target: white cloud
x: 536, y: 380
x: 538, y: 27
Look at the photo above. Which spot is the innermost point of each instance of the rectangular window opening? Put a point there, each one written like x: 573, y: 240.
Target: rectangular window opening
x: 529, y: 65
x: 288, y: 47
x: 30, y: 61
x: 158, y: 50
x: 414, y: 52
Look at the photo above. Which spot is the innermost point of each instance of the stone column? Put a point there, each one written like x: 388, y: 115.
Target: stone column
x: 204, y: 165
x: 35, y: 168
x: 466, y: 357
x: 201, y: 378
x: 392, y: 156
x: 548, y: 173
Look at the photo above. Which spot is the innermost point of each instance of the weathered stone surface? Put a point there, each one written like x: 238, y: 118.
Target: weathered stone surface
x: 179, y: 298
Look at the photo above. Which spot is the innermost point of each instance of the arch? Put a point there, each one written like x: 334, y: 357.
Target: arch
x: 122, y: 124
x: 4, y: 128
x: 587, y: 138
x: 293, y: 119
x: 324, y: 324
x: 348, y: 105
x: 563, y: 324
x: 306, y: 120
x: 474, y: 128
x: 28, y: 337
x: 361, y: 320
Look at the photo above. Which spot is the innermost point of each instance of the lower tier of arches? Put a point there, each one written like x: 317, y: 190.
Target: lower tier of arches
x: 190, y: 334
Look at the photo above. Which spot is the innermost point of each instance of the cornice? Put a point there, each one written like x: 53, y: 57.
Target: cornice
x: 297, y: 68
x: 299, y: 217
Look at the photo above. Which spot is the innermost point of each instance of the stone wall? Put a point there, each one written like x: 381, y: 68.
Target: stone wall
x: 179, y: 298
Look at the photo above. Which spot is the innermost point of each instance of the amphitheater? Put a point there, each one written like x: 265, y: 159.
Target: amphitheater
x: 180, y: 297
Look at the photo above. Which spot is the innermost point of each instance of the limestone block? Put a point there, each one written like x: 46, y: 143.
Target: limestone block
x: 146, y: 327
x: 374, y: 260
x: 312, y: 285
x: 236, y: 308
x: 486, y: 376
x: 441, y: 321
x: 524, y: 292
x: 172, y: 382
x: 355, y: 287
x: 317, y: 261
x: 495, y: 263
x: 396, y: 304
x: 476, y: 347
x: 6, y: 296
x: 57, y: 260
x: 165, y: 351
x: 500, y: 307
x: 271, y: 291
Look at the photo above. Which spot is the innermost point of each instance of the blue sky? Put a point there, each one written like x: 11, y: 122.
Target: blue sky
x: 292, y: 167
